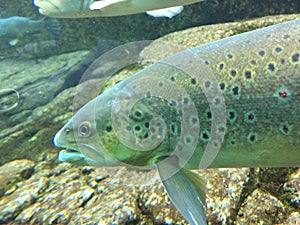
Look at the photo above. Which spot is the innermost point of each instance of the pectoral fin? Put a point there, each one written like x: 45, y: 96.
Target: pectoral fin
x: 166, y: 12
x: 104, y: 3
x: 186, y: 189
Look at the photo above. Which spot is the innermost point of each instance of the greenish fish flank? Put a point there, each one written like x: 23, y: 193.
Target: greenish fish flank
x: 90, y: 8
x: 252, y: 79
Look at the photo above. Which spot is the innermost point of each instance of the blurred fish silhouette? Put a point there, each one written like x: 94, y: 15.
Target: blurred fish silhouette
x: 13, y: 29
x: 85, y: 8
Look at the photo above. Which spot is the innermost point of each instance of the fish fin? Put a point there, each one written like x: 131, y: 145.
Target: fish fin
x: 186, y: 190
x: 13, y: 42
x: 166, y: 12
x: 52, y: 26
x: 104, y: 3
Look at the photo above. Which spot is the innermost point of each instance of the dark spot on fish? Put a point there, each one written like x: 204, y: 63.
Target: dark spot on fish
x: 282, y: 94
x: 138, y: 113
x: 180, y: 113
x: 108, y: 128
x: 278, y: 49
x: 286, y: 36
x: 146, y: 135
x: 282, y: 61
x: 205, y: 135
x: 137, y: 128
x: 250, y: 118
x: 285, y: 128
x: 173, y: 128
x: 185, y: 101
x: 230, y: 56
x: 193, y: 81
x: 253, y: 62
x: 217, y: 101
x: 172, y: 79
x: 231, y: 115
x: 194, y: 120
x: 180, y: 148
x: 271, y: 67
x: 148, y: 94
x: 160, y: 84
x: 173, y: 103
x: 248, y: 74
x: 216, y: 143
x: 209, y: 115
x: 206, y: 62
x: 295, y: 57
x: 268, y: 35
x: 147, y: 124
x: 235, y: 90
x: 261, y: 53
x: 188, y: 140
x: 221, y: 66
x: 207, y: 84
x: 222, y: 86
x: 252, y: 137
x: 233, y: 73
x: 221, y: 129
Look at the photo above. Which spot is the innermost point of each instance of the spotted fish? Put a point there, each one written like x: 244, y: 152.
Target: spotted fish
x: 229, y: 103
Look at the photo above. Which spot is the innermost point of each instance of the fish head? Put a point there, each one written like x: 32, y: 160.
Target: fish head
x: 105, y: 133
x: 82, y: 140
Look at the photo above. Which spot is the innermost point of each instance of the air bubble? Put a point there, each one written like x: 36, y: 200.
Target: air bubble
x: 9, y: 99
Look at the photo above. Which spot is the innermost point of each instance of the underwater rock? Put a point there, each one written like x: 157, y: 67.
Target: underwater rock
x: 292, y: 186
x: 13, y: 172
x: 260, y: 208
x: 37, y: 84
x: 66, y: 194
x: 224, y: 190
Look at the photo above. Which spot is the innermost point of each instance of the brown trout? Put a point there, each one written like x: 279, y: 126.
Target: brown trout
x: 229, y: 103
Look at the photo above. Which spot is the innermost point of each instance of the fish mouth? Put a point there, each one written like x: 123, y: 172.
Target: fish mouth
x: 72, y: 156
x: 85, y: 155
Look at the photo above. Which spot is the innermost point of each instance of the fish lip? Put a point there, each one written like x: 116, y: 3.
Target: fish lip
x: 68, y: 151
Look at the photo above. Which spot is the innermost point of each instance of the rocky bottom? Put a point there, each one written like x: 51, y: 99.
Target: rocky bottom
x: 51, y: 193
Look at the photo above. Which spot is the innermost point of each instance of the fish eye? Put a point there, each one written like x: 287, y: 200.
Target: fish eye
x: 85, y: 129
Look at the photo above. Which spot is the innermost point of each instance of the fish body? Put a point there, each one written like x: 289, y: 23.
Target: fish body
x: 228, y: 103
x: 87, y: 8
x: 15, y: 28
